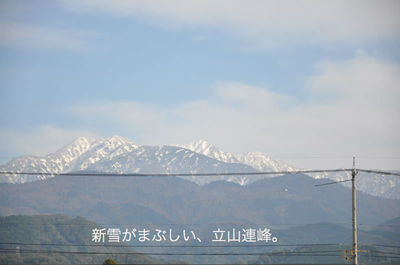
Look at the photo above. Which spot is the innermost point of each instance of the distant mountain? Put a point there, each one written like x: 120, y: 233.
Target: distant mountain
x: 256, y: 160
x: 374, y: 184
x: 282, y: 200
x: 120, y: 155
x: 291, y: 206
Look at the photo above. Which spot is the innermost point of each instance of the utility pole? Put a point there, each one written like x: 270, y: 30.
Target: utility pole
x: 353, y: 253
x: 353, y: 182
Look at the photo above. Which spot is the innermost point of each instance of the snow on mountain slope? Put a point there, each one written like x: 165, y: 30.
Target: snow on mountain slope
x: 256, y: 160
x: 263, y: 162
x: 120, y: 155
x: 69, y: 158
x: 377, y: 185
x: 164, y: 159
x: 104, y: 151
x: 374, y: 184
x: 61, y: 161
x: 207, y: 149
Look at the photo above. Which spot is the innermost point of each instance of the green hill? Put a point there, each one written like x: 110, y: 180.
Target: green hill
x: 57, y: 239
x: 62, y: 231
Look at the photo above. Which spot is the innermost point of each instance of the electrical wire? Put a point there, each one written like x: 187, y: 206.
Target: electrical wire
x: 180, y: 224
x: 329, y: 183
x: 384, y: 252
x: 387, y: 246
x: 378, y: 172
x: 281, y: 253
x: 170, y: 246
x: 254, y: 173
x: 386, y: 257
x: 183, y: 263
x: 209, y: 174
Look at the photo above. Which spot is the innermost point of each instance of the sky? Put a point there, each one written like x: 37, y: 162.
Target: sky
x: 312, y: 83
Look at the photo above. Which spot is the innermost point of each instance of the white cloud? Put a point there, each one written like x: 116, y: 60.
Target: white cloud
x: 37, y: 141
x: 352, y: 109
x: 16, y: 35
x: 270, y: 23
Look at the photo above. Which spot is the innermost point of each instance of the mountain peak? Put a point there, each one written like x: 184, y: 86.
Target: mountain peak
x: 202, y: 147
x: 77, y: 147
x: 257, y: 155
x: 83, y: 140
x: 119, y: 140
x: 264, y: 162
x: 201, y: 142
x: 205, y: 148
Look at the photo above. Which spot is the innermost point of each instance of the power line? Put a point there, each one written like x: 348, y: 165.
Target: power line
x: 76, y: 174
x: 186, y: 224
x: 334, y: 157
x: 386, y: 257
x: 384, y: 252
x: 170, y: 246
x: 361, y: 170
x: 320, y: 253
x: 209, y: 174
x: 197, y: 246
x: 281, y: 253
x: 379, y: 172
x: 180, y: 224
x: 335, y: 182
x: 387, y: 246
x: 183, y: 263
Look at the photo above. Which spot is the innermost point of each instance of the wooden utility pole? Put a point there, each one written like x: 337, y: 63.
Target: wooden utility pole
x: 354, y: 199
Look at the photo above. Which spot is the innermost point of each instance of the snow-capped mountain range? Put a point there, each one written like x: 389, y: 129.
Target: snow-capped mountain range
x: 120, y: 155
x: 256, y: 160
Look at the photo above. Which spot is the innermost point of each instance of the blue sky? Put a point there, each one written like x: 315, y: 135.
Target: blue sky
x: 290, y: 79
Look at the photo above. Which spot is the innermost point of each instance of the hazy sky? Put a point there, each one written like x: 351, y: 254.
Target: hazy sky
x: 309, y: 82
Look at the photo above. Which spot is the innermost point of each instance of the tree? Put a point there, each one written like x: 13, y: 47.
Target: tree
x: 109, y: 262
